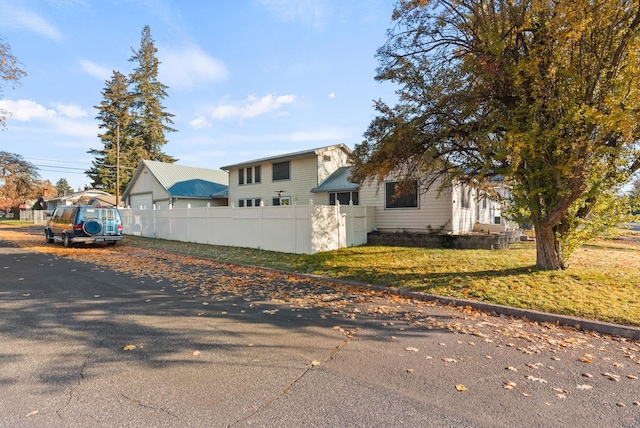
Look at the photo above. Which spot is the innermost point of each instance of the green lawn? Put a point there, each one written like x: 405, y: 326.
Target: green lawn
x: 602, y: 282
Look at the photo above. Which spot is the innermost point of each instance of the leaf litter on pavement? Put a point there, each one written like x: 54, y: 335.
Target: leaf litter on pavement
x: 222, y: 282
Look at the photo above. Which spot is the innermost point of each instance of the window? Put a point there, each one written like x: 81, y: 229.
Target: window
x: 281, y: 171
x: 465, y: 197
x: 249, y: 202
x: 249, y: 175
x: 405, y: 197
x: 343, y: 197
x: 284, y: 200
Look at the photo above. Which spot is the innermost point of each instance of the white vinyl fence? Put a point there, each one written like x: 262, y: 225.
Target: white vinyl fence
x: 300, y: 229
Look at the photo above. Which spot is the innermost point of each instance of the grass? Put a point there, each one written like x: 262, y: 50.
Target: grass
x: 602, y: 282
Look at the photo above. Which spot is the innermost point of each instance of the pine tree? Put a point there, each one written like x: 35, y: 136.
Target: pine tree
x: 63, y: 187
x: 121, y: 149
x: 151, y: 120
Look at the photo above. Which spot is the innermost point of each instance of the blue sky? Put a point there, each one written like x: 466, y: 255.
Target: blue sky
x: 247, y: 78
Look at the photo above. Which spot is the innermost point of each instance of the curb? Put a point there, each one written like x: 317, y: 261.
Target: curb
x: 581, y: 324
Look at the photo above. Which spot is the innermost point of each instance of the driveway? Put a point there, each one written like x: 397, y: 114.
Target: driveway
x: 192, y: 343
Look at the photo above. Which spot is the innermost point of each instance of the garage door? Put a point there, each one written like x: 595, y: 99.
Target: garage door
x: 144, y: 200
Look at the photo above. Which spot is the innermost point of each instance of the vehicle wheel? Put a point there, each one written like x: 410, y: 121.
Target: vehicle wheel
x: 47, y: 238
x: 65, y: 240
x: 112, y: 243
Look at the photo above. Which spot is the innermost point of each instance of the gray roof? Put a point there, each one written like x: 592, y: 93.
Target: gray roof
x: 286, y: 156
x: 337, y: 182
x: 186, y: 181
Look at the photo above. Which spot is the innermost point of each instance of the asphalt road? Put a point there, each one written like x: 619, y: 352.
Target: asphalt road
x: 285, y: 353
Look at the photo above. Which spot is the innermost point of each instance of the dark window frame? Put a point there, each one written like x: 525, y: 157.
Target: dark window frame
x: 407, y: 201
x: 240, y: 176
x: 278, y: 171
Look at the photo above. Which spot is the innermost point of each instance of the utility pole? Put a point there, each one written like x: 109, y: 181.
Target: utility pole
x: 118, y: 164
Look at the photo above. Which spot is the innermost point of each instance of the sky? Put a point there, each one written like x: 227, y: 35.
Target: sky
x: 247, y: 78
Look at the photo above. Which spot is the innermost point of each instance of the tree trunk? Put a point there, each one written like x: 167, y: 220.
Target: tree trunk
x: 548, y: 254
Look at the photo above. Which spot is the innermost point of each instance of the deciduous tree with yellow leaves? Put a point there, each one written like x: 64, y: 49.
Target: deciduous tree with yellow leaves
x: 543, y: 94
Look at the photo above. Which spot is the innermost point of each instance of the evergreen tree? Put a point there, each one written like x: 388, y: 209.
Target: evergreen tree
x: 63, y: 187
x: 121, y: 151
x: 151, y: 120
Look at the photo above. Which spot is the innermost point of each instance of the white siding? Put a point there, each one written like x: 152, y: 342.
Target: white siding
x: 433, y: 212
x: 306, y: 173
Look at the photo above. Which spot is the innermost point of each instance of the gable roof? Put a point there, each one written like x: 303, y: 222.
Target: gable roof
x: 288, y: 156
x: 185, y: 181
x: 337, y: 182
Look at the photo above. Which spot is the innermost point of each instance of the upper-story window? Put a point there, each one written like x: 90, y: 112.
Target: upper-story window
x: 281, y: 171
x: 249, y: 175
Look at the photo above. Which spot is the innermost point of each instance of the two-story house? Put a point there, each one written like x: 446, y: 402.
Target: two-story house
x: 286, y: 179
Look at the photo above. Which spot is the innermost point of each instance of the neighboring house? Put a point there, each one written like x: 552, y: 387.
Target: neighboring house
x: 286, y: 179
x: 88, y: 197
x: 163, y: 185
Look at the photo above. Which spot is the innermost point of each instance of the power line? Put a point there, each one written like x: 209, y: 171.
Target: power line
x: 56, y: 160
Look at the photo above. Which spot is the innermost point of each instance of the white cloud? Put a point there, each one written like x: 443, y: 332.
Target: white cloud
x: 200, y: 122
x: 332, y: 95
x: 17, y: 17
x: 189, y: 67
x: 68, y: 120
x: 71, y: 111
x: 253, y: 107
x: 96, y: 70
x: 311, y: 12
x: 25, y: 110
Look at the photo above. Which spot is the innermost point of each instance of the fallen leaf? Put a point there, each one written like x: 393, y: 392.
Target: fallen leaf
x: 129, y: 348
x: 411, y: 349
x: 512, y: 369
x: 611, y: 376
x: 536, y: 379
x: 35, y: 412
x: 410, y: 371
x: 461, y: 388
x: 315, y: 363
x: 449, y: 360
x: 587, y: 375
x: 196, y: 353
x: 619, y: 404
x: 584, y: 387
x: 632, y: 377
x: 509, y: 385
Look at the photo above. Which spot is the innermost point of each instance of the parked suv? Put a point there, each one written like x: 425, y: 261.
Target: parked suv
x: 84, y: 224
